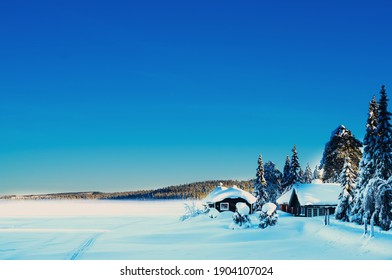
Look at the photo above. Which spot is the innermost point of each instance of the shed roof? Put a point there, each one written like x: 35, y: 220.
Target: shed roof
x: 313, y: 194
x: 220, y: 193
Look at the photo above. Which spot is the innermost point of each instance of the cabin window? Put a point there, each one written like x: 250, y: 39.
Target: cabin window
x: 315, y: 212
x: 224, y: 206
x: 309, y: 210
x: 322, y: 211
x: 302, y: 210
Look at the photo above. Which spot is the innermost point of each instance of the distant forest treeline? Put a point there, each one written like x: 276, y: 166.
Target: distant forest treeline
x: 197, y: 190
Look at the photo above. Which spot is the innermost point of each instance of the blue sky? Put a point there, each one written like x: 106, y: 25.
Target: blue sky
x: 118, y: 95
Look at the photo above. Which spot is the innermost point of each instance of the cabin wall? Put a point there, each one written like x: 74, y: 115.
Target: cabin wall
x: 294, y: 205
x: 315, y: 211
x: 232, y: 203
x: 283, y: 207
x: 307, y: 211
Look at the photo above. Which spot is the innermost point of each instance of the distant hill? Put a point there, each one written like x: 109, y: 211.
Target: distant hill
x: 197, y: 190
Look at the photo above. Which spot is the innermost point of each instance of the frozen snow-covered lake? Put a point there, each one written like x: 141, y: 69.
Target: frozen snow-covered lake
x: 148, y: 230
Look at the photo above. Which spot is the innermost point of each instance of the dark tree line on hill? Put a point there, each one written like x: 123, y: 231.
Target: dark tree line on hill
x: 197, y: 190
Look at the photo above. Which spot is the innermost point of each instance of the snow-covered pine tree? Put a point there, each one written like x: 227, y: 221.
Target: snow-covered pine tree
x: 341, y: 142
x: 268, y: 215
x: 260, y: 186
x: 369, y: 194
x: 384, y: 205
x: 383, y: 149
x: 295, y: 168
x: 367, y: 167
x: 316, y: 173
x: 240, y: 221
x: 286, y: 174
x: 347, y: 180
x: 273, y: 178
x: 240, y: 217
x: 371, y: 203
x: 301, y: 174
x: 308, y: 175
x: 382, y: 215
x: 348, y: 177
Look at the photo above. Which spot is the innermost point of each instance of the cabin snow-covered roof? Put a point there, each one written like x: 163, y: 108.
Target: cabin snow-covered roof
x: 285, y: 198
x: 313, y: 194
x: 220, y: 193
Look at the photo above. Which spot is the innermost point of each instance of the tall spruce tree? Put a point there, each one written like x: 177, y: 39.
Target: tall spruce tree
x: 367, y: 166
x: 375, y: 189
x: 260, y: 186
x: 383, y: 149
x: 308, y: 175
x: 382, y: 215
x: 295, y: 168
x: 341, y: 143
x: 347, y: 180
x: 286, y: 174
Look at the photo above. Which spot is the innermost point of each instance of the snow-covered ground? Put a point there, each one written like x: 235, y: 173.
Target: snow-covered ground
x: 152, y: 230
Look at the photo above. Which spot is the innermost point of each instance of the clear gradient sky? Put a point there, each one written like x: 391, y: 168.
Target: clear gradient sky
x: 118, y: 95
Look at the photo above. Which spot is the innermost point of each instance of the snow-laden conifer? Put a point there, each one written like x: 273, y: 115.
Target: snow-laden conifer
x: 367, y: 166
x: 308, y: 176
x: 260, y: 185
x: 295, y: 168
x: 317, y: 173
x: 240, y: 217
x: 286, y: 174
x: 268, y: 215
x: 347, y: 180
x: 273, y: 178
x: 383, y: 149
x: 384, y: 205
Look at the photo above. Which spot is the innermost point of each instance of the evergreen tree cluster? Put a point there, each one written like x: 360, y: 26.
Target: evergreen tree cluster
x: 368, y: 200
x: 270, y: 183
x: 293, y: 173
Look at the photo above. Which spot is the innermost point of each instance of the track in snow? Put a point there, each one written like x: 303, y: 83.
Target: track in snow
x: 84, y: 247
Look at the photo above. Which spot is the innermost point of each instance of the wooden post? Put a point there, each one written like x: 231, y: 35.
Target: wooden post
x: 328, y: 215
x: 326, y: 218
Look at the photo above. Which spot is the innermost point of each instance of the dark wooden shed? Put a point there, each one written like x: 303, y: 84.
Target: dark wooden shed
x: 309, y: 200
x: 226, y: 199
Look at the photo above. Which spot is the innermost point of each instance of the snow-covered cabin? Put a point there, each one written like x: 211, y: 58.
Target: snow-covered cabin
x: 225, y: 199
x: 310, y: 200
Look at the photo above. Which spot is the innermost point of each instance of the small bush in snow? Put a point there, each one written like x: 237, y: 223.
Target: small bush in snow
x: 240, y: 221
x: 268, y: 215
x: 240, y: 217
x: 191, y: 210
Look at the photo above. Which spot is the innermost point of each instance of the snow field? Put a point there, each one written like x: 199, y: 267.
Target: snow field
x: 151, y: 230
